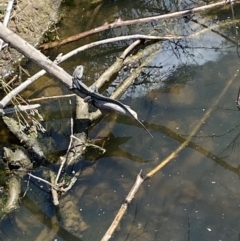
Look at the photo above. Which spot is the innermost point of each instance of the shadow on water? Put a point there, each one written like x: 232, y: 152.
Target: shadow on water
x: 196, y: 196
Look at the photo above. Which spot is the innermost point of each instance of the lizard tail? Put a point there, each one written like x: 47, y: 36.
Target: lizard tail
x: 145, y: 128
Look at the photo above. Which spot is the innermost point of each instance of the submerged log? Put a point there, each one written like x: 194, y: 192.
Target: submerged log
x: 17, y: 162
x: 30, y: 141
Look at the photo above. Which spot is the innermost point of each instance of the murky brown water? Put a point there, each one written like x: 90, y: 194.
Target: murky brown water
x: 196, y: 196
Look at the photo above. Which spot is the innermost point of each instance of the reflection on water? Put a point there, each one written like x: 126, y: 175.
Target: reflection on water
x: 196, y: 196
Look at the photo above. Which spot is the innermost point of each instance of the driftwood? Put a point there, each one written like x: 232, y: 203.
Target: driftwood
x: 120, y: 23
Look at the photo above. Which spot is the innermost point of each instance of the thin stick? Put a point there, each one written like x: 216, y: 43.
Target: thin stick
x: 123, y: 208
x: 51, y: 97
x: 43, y: 180
x: 6, y: 18
x: 64, y: 159
x: 20, y: 108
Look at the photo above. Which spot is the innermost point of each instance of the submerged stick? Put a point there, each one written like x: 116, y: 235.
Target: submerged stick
x: 123, y: 208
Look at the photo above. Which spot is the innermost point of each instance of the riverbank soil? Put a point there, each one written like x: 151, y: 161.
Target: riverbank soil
x: 29, y: 19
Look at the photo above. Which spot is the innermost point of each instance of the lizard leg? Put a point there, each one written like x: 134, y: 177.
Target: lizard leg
x: 88, y: 99
x: 94, y: 88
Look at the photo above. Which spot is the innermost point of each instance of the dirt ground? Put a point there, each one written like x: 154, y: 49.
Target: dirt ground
x: 29, y: 19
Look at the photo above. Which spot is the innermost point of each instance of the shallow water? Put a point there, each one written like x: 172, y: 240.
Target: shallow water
x: 194, y: 197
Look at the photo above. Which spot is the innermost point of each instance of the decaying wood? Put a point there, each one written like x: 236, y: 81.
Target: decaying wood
x: 120, y: 23
x: 14, y: 190
x: 29, y: 141
x: 17, y: 163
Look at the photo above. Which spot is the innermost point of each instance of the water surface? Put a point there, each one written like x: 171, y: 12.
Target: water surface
x: 196, y: 196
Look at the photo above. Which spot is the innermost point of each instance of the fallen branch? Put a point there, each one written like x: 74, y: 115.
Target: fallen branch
x: 120, y: 23
x: 123, y: 209
x: 19, y: 108
x: 46, y: 63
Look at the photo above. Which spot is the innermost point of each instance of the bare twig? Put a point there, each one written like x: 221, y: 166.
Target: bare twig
x: 51, y: 97
x: 63, y: 160
x: 123, y: 208
x: 42, y: 180
x: 20, y: 108
x: 129, y: 49
x: 6, y: 18
x: 53, y: 190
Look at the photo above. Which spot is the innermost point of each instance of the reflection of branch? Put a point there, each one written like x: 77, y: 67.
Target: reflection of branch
x: 215, y: 31
x: 119, y: 23
x: 194, y: 131
x: 194, y: 146
x: 48, y: 222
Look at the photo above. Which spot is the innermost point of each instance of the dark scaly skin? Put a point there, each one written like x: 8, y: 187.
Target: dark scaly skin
x: 93, y: 96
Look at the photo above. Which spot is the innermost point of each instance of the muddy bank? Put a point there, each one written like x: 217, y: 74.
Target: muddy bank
x: 29, y: 19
